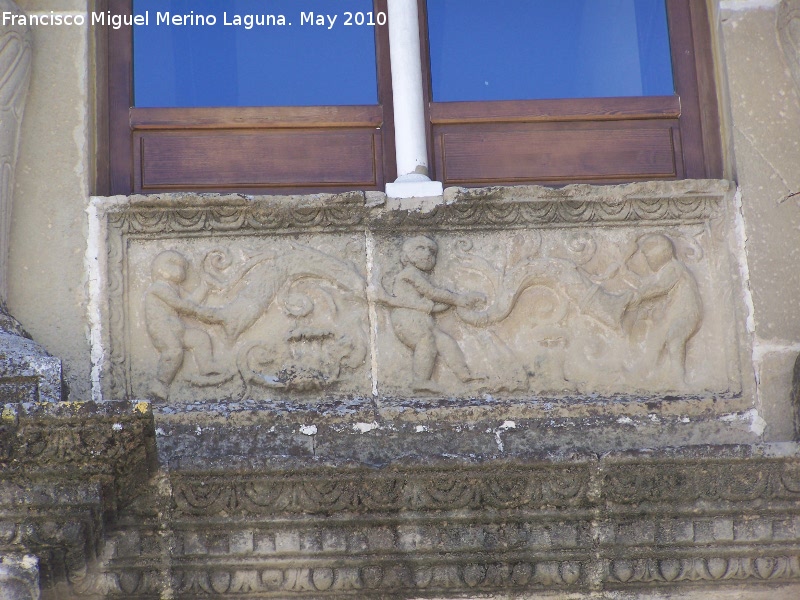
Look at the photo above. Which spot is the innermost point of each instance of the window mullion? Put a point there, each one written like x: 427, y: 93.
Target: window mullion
x: 409, y: 109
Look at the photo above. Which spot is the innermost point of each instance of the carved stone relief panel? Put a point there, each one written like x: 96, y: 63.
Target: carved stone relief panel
x: 625, y: 310
x: 510, y: 292
x: 245, y: 317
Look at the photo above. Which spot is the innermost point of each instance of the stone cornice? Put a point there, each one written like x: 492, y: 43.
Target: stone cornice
x: 84, y: 500
x: 486, y: 208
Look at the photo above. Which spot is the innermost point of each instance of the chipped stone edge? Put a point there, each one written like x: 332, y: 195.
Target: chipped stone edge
x: 96, y: 268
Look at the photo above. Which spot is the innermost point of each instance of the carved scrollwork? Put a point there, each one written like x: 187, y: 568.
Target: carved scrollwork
x: 437, y: 577
x: 237, y: 214
x: 382, y: 494
x: 326, y: 496
x: 623, y: 321
x: 261, y: 495
x: 517, y: 310
x: 226, y: 309
x: 404, y: 490
x: 483, y: 213
x: 201, y: 498
x: 126, y: 583
x: 628, y: 484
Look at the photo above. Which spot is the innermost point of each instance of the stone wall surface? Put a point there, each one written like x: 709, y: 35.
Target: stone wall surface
x: 47, y: 280
x: 764, y: 109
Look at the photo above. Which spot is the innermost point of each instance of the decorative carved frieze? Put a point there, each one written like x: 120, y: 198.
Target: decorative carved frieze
x: 289, y: 342
x: 87, y: 502
x: 411, y: 531
x: 424, y: 490
x: 584, y: 290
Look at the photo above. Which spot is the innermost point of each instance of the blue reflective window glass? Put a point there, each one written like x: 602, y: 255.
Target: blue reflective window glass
x: 536, y: 49
x: 296, y: 64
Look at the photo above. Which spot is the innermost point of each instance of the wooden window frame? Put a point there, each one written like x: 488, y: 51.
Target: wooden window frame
x: 340, y: 148
x: 295, y: 149
x: 586, y: 140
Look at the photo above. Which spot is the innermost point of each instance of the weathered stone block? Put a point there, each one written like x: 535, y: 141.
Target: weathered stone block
x: 19, y: 577
x: 616, y: 290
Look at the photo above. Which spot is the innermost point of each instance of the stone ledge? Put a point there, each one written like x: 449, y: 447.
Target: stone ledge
x: 27, y: 372
x: 701, y: 518
x: 696, y: 518
x: 360, y: 431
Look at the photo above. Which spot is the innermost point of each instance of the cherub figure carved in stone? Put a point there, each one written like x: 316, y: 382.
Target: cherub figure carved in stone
x: 167, y: 303
x: 666, y: 309
x: 416, y: 299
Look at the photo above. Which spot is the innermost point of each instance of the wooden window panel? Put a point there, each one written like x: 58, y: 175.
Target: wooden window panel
x: 593, y: 140
x: 249, y: 149
x: 558, y: 152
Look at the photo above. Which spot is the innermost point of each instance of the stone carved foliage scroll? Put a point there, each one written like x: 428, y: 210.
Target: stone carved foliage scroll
x: 405, y: 491
x: 628, y: 314
x: 374, y: 581
x: 383, y: 579
x: 15, y: 66
x: 568, y: 487
x: 720, y: 569
x: 287, y: 318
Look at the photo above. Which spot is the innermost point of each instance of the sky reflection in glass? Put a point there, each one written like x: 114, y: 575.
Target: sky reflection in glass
x: 220, y: 65
x: 536, y: 49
